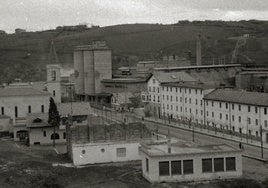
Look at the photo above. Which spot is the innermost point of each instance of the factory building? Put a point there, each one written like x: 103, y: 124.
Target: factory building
x: 92, y: 63
x: 182, y: 162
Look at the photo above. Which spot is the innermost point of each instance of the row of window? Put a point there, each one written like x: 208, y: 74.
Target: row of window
x: 209, y: 165
x: 165, y: 88
x: 238, y: 107
x: 16, y: 110
x: 185, y: 100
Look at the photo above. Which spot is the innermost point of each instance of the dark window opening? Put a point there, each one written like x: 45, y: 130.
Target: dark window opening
x: 56, y: 136
x: 218, y: 165
x: 207, y: 165
x: 175, y: 167
x: 230, y: 164
x: 188, y: 167
x: 164, y: 168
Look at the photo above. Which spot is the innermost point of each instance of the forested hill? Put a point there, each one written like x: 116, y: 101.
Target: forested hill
x: 25, y: 55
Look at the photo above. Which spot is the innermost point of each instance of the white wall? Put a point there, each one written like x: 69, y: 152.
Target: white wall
x: 94, y: 153
x: 37, y: 135
x: 153, y: 174
x: 4, y: 124
x: 22, y: 102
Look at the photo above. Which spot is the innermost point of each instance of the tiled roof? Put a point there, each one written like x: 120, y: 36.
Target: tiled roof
x: 195, y: 85
x: 35, y: 120
x: 238, y: 96
x: 17, y: 92
x: 168, y: 77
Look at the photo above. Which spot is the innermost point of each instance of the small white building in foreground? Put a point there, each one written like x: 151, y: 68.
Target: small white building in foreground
x: 180, y: 162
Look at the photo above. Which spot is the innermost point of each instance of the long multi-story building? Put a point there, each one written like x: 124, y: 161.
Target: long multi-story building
x: 184, y: 101
x: 238, y: 111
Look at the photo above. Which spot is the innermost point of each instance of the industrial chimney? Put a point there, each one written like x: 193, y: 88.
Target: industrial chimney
x: 198, y: 50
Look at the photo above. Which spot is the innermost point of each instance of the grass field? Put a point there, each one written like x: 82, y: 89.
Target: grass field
x: 24, y: 167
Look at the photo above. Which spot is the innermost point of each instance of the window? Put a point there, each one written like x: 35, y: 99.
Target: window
x: 158, y: 90
x: 207, y: 103
x: 213, y: 114
x: 226, y: 116
x: 207, y: 113
x: 54, y: 93
x: 29, y: 109
x: 212, y: 103
x: 42, y: 109
x: 16, y: 111
x: 53, y: 75
x: 232, y: 106
x: 176, y: 98
x: 220, y: 104
x: 171, y: 98
x: 121, y: 152
x: 167, y: 97
x: 2, y: 111
x: 64, y: 135
x: 188, y: 167
x: 147, y: 165
x: 164, y: 168
x: 265, y: 123
x: 256, y: 109
x: 226, y: 105
x: 239, y: 107
x: 190, y: 100
x: 249, y: 121
x: 233, y: 119
x: 230, y: 164
x: 149, y: 88
x: 196, y: 102
x: 185, y: 100
x: 218, y: 165
x: 175, y: 167
x: 265, y: 111
x: 56, y: 136
x: 201, y: 102
x: 239, y: 119
x: 220, y: 116
x: 256, y: 121
x: 44, y: 133
x: 196, y: 91
x: 248, y: 108
x: 153, y: 81
x: 206, y: 165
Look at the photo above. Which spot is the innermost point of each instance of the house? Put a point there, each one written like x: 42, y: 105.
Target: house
x: 121, y: 101
x: 239, y: 111
x: 41, y: 132
x: 17, y: 102
x: 179, y: 162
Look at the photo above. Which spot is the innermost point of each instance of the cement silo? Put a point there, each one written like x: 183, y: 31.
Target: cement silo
x: 92, y: 63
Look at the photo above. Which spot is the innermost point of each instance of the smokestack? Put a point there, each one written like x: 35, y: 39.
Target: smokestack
x: 198, y: 50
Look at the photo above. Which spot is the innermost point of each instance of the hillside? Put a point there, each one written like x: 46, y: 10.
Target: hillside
x: 25, y: 55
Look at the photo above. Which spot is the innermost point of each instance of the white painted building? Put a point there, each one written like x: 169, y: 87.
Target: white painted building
x: 41, y: 132
x: 54, y: 81
x: 240, y: 111
x: 184, y: 100
x: 153, y: 94
x: 179, y: 162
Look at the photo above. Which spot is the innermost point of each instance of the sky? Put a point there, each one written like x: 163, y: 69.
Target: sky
x: 34, y: 15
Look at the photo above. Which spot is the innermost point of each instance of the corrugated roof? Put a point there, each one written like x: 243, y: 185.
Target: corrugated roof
x: 238, y: 96
x: 16, y: 92
x: 169, y: 77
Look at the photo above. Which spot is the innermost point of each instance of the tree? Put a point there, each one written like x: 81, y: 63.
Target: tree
x: 53, y: 117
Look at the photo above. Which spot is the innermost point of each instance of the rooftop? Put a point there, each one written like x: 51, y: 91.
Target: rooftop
x: 168, y: 77
x: 183, y: 148
x: 21, y: 92
x: 35, y: 120
x: 198, y: 67
x: 124, y: 80
x: 195, y: 85
x: 238, y: 96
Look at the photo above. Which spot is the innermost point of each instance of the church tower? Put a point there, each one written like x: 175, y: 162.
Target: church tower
x: 53, y: 75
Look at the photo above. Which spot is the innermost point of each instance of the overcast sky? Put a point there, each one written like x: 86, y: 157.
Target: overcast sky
x: 47, y: 14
